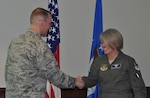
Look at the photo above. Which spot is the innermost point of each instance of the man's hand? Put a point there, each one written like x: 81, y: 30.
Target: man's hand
x: 79, y: 82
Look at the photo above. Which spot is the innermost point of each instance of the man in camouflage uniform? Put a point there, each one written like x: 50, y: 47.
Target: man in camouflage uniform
x: 30, y: 63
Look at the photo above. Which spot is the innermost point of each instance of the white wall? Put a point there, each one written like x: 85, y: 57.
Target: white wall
x: 131, y: 17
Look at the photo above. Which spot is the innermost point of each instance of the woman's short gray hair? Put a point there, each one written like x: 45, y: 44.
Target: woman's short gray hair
x: 113, y: 38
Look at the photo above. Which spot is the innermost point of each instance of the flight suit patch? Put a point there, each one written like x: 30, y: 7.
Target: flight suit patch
x: 116, y: 66
x: 104, y: 67
x: 136, y: 66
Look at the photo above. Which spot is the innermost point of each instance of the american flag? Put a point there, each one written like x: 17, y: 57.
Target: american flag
x: 53, y: 40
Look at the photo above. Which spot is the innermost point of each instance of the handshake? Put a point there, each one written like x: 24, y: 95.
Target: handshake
x: 79, y: 82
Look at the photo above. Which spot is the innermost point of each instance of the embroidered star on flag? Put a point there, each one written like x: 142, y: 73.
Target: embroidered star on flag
x: 53, y: 38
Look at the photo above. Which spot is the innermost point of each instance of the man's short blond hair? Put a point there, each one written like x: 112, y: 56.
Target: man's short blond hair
x: 39, y: 12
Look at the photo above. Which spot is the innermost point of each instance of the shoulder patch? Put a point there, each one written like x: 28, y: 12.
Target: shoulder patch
x: 136, y: 66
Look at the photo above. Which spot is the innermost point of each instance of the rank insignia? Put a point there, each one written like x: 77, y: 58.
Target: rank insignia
x: 103, y: 67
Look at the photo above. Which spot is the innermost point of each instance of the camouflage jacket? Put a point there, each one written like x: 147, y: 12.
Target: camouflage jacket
x: 29, y: 64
